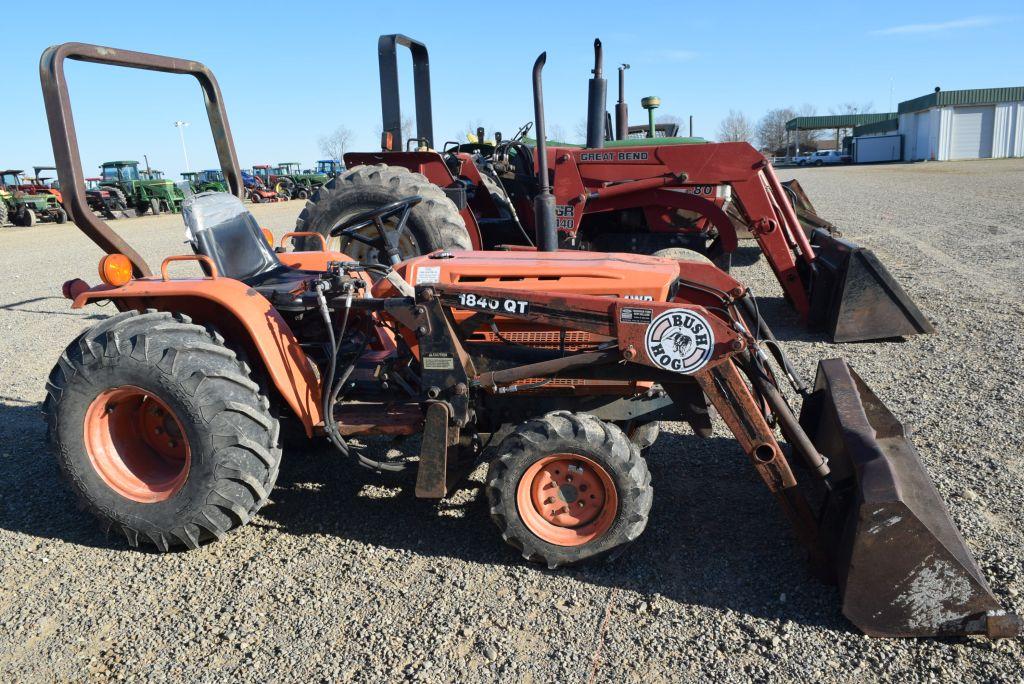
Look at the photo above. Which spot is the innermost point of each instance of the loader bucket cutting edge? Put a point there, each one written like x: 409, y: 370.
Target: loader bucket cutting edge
x: 854, y: 298
x: 902, y: 566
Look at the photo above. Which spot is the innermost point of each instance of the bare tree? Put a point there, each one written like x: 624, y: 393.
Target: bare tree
x: 407, y: 129
x: 850, y: 108
x: 771, y: 130
x: 581, y: 131
x: 556, y: 133
x: 334, y: 145
x: 735, y: 128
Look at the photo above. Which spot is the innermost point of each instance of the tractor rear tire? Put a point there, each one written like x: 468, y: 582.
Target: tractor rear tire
x: 3, y: 213
x: 594, y: 517
x: 683, y: 254
x: 159, y: 431
x: 434, y: 223
x: 118, y: 194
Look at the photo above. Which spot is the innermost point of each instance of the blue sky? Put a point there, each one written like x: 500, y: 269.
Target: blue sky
x: 292, y: 73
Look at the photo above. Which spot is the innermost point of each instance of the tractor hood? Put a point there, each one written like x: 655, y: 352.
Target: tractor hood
x: 612, y: 275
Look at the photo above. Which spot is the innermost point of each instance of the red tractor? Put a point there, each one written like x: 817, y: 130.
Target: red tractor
x: 640, y: 195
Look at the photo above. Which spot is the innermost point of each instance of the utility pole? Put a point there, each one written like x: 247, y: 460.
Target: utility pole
x: 180, y: 125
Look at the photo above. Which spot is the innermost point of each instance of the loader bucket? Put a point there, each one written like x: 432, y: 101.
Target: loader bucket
x: 853, y: 296
x: 902, y: 566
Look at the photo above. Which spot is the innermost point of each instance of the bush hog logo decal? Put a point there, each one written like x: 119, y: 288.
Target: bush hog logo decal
x: 680, y: 340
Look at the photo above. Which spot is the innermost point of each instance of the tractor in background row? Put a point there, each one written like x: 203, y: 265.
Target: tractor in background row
x: 271, y: 179
x: 329, y: 167
x: 305, y: 182
x: 104, y: 201
x: 257, y: 192
x: 640, y: 195
x: 24, y: 208
x: 208, y: 180
x: 153, y: 193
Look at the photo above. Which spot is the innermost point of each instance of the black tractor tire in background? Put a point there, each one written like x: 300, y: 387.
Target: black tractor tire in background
x: 155, y: 206
x: 122, y: 201
x: 62, y: 216
x: 302, y: 194
x: 434, y: 223
x: 28, y: 218
x: 565, y: 435
x: 3, y: 213
x: 227, y: 462
x: 255, y: 198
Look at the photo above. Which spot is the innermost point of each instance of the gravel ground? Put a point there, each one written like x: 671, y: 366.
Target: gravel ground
x: 346, y: 577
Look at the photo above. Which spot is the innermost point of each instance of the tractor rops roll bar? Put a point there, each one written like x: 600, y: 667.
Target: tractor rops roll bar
x: 65, y: 141
x: 390, y: 100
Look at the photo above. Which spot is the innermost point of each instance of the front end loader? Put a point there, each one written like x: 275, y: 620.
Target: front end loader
x: 547, y: 365
x: 639, y: 195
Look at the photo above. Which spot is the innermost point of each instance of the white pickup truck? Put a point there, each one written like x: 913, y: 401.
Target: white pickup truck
x: 824, y: 157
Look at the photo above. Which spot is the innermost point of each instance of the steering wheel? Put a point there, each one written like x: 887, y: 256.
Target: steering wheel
x: 523, y: 130
x: 384, y: 242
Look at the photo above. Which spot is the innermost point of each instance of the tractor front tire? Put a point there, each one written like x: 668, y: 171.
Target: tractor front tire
x: 154, y: 206
x: 568, y: 488
x: 683, y: 254
x: 28, y: 218
x: 159, y: 431
x: 62, y: 216
x: 434, y: 223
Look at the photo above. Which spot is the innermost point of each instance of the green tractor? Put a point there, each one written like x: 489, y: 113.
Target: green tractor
x: 145, y: 191
x: 23, y: 208
x: 210, y: 180
x: 305, y: 183
x: 192, y: 178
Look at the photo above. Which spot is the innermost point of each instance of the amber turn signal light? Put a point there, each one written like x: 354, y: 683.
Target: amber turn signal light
x: 115, y: 270
x: 268, y: 236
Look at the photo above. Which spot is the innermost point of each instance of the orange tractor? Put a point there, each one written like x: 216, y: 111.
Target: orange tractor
x: 551, y: 366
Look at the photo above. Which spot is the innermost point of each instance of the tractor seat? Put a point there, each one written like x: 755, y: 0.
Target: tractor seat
x: 220, y: 227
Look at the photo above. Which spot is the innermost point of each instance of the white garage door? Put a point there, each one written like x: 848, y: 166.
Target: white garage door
x: 877, y: 148
x: 972, y: 132
x: 921, y: 147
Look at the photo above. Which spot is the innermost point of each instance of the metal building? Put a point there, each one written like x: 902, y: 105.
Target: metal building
x: 963, y: 124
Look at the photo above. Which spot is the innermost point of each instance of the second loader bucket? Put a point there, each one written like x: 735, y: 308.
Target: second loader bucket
x: 854, y: 297
x: 903, y: 568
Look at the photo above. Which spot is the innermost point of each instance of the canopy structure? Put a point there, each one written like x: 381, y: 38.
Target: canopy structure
x: 836, y: 122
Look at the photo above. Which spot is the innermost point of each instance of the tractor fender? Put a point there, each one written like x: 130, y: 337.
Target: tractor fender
x: 243, y: 316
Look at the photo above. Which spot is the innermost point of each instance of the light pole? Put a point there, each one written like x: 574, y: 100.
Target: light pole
x: 180, y: 125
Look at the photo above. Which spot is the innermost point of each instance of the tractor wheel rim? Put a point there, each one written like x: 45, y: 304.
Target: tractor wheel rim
x: 567, y: 499
x: 136, y: 444
x: 407, y: 247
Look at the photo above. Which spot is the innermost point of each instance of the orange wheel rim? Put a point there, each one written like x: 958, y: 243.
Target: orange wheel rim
x: 567, y: 499
x: 136, y: 444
